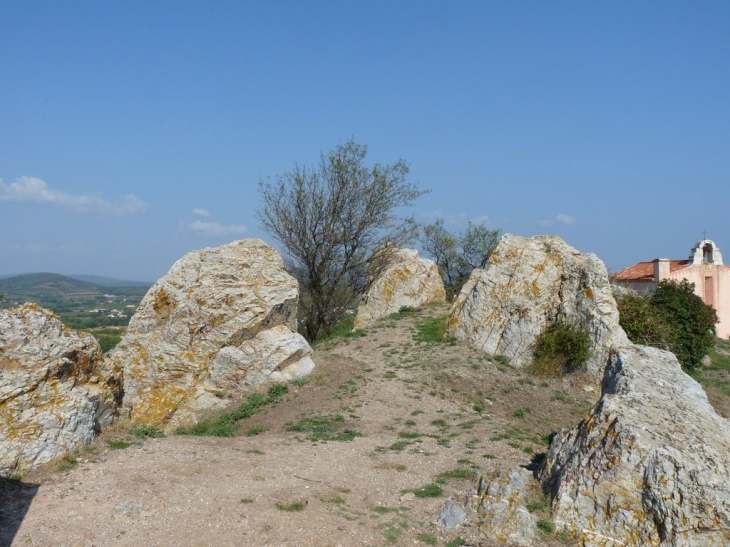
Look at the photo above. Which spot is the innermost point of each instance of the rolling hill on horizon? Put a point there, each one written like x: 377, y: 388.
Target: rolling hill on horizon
x: 79, y: 303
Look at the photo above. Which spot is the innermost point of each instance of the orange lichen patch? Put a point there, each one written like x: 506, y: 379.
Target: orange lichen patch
x: 162, y: 305
x: 10, y: 364
x: 589, y: 292
x: 159, y: 404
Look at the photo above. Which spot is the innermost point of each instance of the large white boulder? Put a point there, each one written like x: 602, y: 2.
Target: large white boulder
x: 220, y: 322
x: 409, y: 281
x: 54, y: 392
x: 529, y: 283
x: 650, y: 464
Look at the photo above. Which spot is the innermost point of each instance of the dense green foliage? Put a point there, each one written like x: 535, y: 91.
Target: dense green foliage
x: 673, y: 317
x: 338, y: 229
x: 560, y: 348
x: 458, y: 255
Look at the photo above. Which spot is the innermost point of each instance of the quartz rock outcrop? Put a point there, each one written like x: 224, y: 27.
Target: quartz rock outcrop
x: 222, y: 320
x: 409, y: 281
x: 529, y: 283
x: 499, y: 499
x: 649, y: 465
x: 54, y: 392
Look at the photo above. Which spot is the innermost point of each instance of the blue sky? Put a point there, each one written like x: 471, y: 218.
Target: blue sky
x: 134, y: 132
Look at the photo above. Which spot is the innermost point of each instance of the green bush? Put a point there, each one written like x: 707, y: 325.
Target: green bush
x: 560, y: 348
x: 673, y: 317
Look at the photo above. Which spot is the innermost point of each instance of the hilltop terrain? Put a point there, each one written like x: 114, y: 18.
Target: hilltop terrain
x: 365, y: 451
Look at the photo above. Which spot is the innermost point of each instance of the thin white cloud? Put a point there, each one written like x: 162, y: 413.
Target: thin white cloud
x: 201, y: 213
x: 216, y: 229
x: 562, y: 218
x: 31, y: 189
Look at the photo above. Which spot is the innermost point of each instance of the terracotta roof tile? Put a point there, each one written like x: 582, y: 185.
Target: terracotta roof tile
x: 644, y: 271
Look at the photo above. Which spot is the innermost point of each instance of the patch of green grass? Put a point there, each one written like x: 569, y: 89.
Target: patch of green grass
x: 537, y: 502
x: 226, y: 424
x: 67, y: 463
x: 432, y: 490
x: 143, y: 431
x: 404, y: 311
x: 247, y: 500
x: 425, y: 537
x: 489, y: 456
x: 432, y: 330
x: 409, y: 435
x: 456, y: 542
x: 521, y: 412
x: 409, y: 423
x: 291, y: 507
x: 258, y: 452
x: 546, y: 526
x: 382, y: 510
x: 256, y: 430
x: 561, y: 397
x: 416, y: 412
x: 324, y: 428
x: 440, y: 423
x: 400, y: 445
x: 389, y: 375
x: 502, y: 359
x: 520, y: 434
x: 15, y: 477
x: 118, y: 444
x: 478, y: 407
x: 460, y: 473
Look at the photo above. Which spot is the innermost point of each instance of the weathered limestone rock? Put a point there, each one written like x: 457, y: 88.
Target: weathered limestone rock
x: 409, y: 281
x: 528, y: 284
x: 222, y: 320
x: 498, y: 497
x: 54, y: 393
x: 650, y: 465
x: 451, y: 514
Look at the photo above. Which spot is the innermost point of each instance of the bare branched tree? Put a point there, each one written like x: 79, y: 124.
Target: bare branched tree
x: 338, y: 226
x: 458, y: 255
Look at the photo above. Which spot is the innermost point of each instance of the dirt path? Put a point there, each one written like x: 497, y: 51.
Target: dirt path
x: 427, y: 414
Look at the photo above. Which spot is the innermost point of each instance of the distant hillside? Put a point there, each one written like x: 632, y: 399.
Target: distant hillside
x: 80, y: 304
x: 109, y: 281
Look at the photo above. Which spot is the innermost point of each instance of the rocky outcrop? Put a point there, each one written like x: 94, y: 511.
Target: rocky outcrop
x: 54, y: 392
x: 499, y: 499
x: 409, y: 281
x: 221, y: 321
x: 528, y: 284
x: 649, y: 465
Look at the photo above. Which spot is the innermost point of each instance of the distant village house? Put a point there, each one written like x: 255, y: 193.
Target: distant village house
x: 704, y: 268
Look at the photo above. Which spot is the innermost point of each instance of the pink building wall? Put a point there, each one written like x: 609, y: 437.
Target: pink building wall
x: 712, y: 284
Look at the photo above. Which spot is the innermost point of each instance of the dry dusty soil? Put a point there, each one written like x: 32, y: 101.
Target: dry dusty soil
x: 401, y: 425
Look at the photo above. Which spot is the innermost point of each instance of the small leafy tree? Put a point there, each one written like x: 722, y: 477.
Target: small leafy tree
x: 673, y: 317
x: 458, y: 255
x: 692, y: 321
x: 338, y: 227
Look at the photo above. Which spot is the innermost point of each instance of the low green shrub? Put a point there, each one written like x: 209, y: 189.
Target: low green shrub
x: 673, y: 317
x: 559, y: 349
